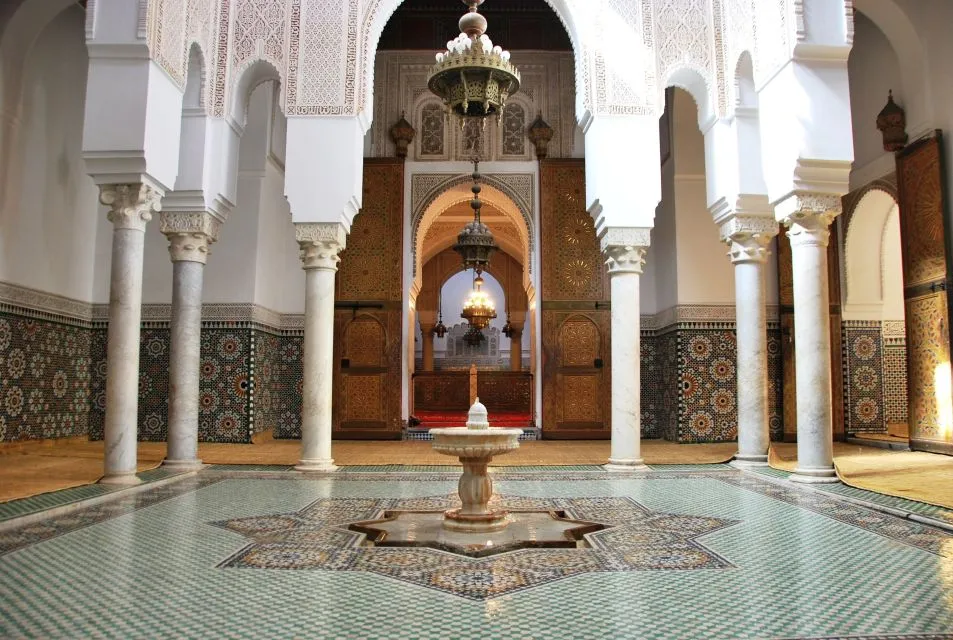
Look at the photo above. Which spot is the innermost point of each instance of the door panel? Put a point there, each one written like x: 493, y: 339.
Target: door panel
x: 924, y: 241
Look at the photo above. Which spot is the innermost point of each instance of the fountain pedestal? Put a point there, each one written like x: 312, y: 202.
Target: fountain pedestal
x: 475, y: 445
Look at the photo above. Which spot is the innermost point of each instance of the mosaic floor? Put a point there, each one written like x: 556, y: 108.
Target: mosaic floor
x: 690, y: 552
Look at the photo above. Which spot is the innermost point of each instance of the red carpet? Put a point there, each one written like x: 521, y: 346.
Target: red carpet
x: 438, y: 419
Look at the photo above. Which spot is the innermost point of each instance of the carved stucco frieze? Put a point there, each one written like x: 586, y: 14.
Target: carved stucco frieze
x: 625, y: 248
x: 808, y: 217
x: 190, y: 234
x: 130, y: 205
x: 321, y: 244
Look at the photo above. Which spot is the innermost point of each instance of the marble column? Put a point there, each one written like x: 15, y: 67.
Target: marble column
x: 189, y: 234
x: 748, y: 240
x: 427, y: 331
x: 130, y: 207
x: 320, y: 245
x: 516, y: 350
x: 808, y: 218
x: 625, y: 250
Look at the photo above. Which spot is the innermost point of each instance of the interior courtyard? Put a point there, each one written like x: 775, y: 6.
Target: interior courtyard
x: 266, y: 264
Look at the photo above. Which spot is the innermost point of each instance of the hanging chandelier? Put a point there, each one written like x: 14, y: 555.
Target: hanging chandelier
x: 440, y: 329
x: 478, y: 310
x: 473, y: 77
x: 475, y: 242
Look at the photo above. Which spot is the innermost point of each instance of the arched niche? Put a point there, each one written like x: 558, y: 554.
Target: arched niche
x: 873, y: 270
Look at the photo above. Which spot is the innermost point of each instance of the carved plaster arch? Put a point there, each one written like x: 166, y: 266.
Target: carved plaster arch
x: 258, y: 71
x: 864, y: 240
x: 575, y: 21
x: 433, y: 207
x: 694, y: 82
x: 507, y: 192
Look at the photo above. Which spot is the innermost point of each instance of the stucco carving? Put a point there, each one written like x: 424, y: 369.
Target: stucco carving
x: 130, y: 205
x: 320, y: 243
x: 324, y: 50
x: 808, y: 217
x: 426, y: 187
x: 190, y: 234
x: 625, y: 259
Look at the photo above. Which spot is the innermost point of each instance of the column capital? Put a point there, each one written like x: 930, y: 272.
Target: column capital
x: 625, y: 248
x: 130, y: 205
x: 808, y: 217
x: 320, y: 243
x: 190, y: 234
x: 748, y: 237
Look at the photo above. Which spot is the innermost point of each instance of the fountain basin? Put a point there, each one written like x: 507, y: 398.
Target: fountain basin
x: 475, y: 448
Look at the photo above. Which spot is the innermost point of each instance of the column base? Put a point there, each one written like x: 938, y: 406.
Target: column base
x: 122, y: 479
x: 626, y: 464
x: 814, y: 476
x: 316, y: 465
x: 183, y: 465
x: 745, y: 461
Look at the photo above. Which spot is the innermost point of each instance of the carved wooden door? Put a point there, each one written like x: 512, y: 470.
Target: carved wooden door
x: 579, y: 401
x: 924, y: 236
x: 362, y: 399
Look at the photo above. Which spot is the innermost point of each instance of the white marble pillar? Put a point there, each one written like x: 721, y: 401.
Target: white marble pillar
x: 130, y: 207
x: 516, y: 350
x: 625, y: 250
x: 189, y: 234
x: 808, y: 218
x: 748, y: 240
x: 320, y: 245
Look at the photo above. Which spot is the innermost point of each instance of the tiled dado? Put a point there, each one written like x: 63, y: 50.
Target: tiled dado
x: 249, y: 382
x: 875, y: 376
x: 53, y: 370
x: 689, y: 382
x: 45, y: 377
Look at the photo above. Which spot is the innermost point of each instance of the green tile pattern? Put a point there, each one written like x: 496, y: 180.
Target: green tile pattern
x: 42, y: 502
x: 149, y: 567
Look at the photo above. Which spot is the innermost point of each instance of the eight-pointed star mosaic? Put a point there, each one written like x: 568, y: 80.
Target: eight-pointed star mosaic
x: 317, y: 537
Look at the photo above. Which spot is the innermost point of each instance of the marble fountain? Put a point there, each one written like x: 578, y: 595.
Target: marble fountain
x: 476, y: 528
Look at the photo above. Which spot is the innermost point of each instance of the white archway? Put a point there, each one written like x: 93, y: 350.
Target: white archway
x: 873, y: 271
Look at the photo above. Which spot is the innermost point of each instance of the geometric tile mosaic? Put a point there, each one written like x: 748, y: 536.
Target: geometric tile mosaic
x: 317, y: 537
x: 804, y: 564
x: 45, y: 373
x: 863, y: 377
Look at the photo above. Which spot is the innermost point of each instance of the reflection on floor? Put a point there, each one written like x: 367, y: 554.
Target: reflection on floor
x: 701, y: 552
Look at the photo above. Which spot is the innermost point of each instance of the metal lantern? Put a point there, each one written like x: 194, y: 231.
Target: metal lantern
x: 475, y: 242
x: 540, y: 134
x: 402, y: 133
x: 473, y: 336
x: 892, y: 122
x: 440, y: 329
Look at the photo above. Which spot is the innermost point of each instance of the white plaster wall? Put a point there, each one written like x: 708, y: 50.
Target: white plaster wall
x: 48, y: 205
x: 662, y: 255
x: 703, y: 270
x: 279, y: 278
x: 873, y: 71
x: 892, y: 273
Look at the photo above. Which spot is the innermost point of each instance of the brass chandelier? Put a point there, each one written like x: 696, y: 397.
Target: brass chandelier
x: 474, y: 79
x: 478, y: 310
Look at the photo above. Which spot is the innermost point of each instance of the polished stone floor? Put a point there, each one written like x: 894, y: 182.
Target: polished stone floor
x: 687, y: 552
